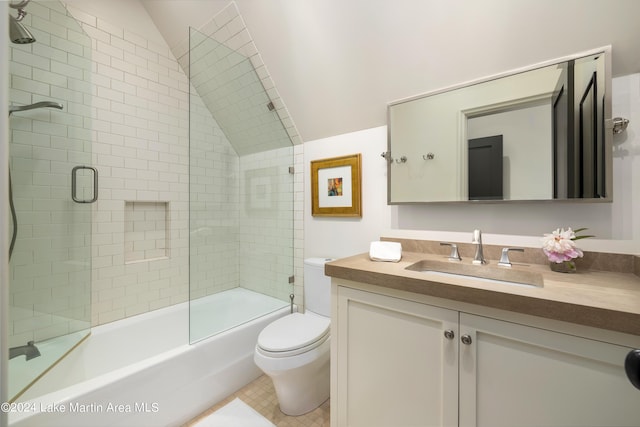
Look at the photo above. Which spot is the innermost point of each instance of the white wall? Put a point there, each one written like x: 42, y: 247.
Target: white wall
x: 331, y: 237
x: 127, y: 14
x: 371, y: 52
x: 626, y: 160
x: 616, y: 225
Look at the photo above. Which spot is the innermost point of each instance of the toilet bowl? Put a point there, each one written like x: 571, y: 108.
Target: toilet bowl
x: 294, y: 350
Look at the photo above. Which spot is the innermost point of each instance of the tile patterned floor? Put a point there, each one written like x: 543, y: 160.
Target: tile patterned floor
x: 261, y: 396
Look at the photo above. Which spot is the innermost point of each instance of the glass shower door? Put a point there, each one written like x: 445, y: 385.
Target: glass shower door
x: 241, y: 193
x: 52, y: 188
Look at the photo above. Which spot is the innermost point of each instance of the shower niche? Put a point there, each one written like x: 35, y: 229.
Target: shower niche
x: 146, y: 231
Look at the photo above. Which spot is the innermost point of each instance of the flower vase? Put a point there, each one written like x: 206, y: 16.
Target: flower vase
x: 563, y: 267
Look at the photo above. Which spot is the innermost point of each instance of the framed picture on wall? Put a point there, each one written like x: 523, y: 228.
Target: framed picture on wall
x: 336, y: 186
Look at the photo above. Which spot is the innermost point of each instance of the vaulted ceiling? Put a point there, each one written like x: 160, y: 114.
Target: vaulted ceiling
x: 337, y: 63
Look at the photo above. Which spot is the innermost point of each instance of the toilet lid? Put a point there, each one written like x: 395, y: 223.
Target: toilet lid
x: 293, y: 332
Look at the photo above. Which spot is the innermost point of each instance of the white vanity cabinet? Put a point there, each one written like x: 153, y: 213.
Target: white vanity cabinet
x: 515, y: 375
x: 400, y: 363
x: 393, y: 366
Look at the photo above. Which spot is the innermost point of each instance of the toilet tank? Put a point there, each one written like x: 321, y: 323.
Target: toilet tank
x: 317, y: 286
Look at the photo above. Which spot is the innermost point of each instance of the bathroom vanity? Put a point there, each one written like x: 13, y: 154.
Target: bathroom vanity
x: 416, y: 349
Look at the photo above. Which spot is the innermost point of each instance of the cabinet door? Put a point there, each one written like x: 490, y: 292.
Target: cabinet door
x: 513, y: 375
x: 395, y: 367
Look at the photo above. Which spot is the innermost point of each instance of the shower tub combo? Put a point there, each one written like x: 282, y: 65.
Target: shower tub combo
x: 143, y: 371
x: 163, y: 368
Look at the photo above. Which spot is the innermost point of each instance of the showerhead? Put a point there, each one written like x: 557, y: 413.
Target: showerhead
x: 43, y: 104
x: 18, y: 32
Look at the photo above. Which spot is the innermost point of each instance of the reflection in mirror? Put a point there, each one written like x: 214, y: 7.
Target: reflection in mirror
x: 537, y: 134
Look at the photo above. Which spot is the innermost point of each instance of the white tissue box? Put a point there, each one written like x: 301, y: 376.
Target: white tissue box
x: 385, y: 251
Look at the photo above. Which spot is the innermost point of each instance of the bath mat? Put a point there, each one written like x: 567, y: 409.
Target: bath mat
x: 235, y: 414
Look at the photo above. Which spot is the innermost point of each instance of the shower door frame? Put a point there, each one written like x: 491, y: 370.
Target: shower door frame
x: 4, y: 205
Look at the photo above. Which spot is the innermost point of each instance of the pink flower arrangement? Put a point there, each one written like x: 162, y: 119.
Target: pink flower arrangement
x: 559, y: 246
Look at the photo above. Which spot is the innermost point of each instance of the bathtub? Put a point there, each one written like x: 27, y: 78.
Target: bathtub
x: 142, y: 370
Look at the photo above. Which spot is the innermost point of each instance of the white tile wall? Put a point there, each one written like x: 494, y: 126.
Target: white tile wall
x: 134, y: 117
x: 215, y: 206
x: 218, y: 225
x: 260, y: 220
x: 298, y: 223
x: 229, y: 28
x: 146, y: 231
x: 234, y: 93
x: 266, y: 234
x: 50, y: 278
x: 140, y: 147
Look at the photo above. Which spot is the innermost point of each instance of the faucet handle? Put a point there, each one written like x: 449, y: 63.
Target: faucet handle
x: 454, y: 255
x: 504, y: 258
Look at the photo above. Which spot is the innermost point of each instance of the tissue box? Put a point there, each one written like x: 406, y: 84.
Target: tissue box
x: 385, y: 251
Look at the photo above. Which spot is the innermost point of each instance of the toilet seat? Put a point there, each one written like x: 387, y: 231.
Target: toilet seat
x: 293, y: 334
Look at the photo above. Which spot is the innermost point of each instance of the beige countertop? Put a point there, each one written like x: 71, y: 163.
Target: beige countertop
x: 602, y: 299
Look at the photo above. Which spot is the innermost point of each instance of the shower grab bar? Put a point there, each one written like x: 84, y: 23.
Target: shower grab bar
x: 74, y: 177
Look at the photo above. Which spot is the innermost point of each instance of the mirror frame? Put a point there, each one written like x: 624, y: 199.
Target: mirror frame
x: 607, y: 119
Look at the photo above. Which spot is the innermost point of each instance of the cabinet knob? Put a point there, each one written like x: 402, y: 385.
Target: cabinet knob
x: 632, y: 367
x: 466, y: 339
x: 449, y: 334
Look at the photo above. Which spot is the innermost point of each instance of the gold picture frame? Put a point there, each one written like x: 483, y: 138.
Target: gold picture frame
x: 336, y: 186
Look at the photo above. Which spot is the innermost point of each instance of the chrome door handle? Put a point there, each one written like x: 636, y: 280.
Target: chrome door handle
x: 74, y: 177
x: 466, y: 339
x: 449, y: 334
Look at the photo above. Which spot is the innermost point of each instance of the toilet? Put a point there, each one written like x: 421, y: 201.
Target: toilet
x: 294, y: 350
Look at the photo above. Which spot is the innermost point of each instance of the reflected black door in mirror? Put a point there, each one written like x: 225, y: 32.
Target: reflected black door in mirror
x: 485, y: 168
x: 563, y: 139
x: 590, y: 147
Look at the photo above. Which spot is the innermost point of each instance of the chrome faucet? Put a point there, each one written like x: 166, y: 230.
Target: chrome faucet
x: 454, y: 255
x: 477, y: 240
x: 504, y: 258
x: 29, y: 350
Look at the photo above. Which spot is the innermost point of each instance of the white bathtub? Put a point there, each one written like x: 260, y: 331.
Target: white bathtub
x: 141, y: 371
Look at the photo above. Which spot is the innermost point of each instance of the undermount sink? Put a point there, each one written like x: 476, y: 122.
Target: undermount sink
x: 481, y: 273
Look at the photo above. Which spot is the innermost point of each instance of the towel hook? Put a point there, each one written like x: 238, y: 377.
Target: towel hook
x: 620, y: 124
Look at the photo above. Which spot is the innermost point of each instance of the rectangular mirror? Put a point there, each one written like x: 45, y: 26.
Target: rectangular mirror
x: 543, y: 133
